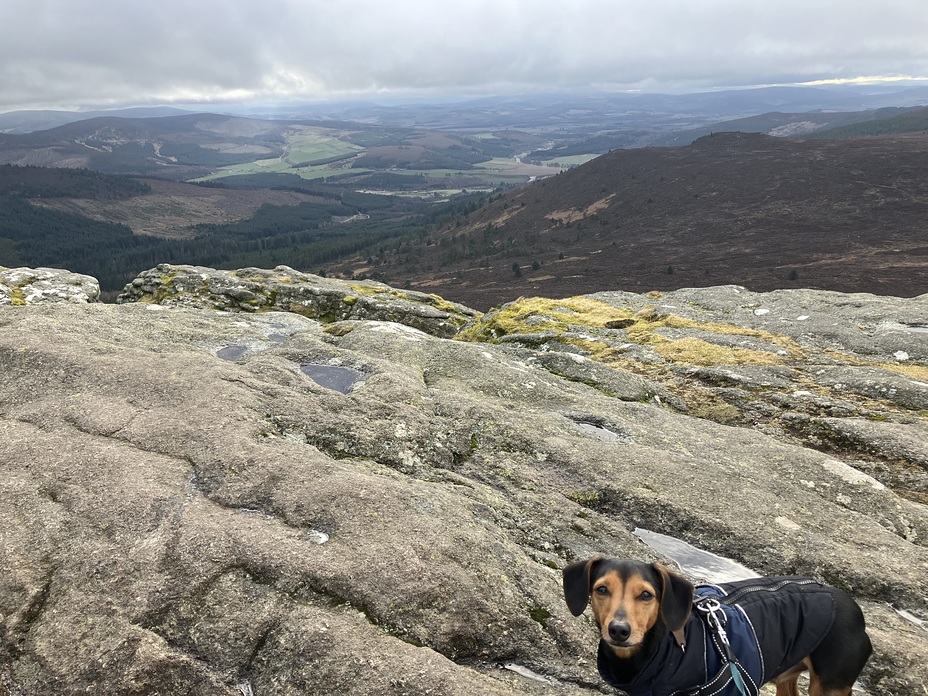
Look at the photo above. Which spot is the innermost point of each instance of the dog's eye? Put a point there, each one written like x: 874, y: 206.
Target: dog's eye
x: 601, y: 589
x: 646, y: 596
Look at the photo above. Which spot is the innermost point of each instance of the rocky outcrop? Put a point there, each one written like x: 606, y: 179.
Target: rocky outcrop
x: 185, y: 509
x: 323, y: 299
x: 844, y: 374
x: 22, y: 286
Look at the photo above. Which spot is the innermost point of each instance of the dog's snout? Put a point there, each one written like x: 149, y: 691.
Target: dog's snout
x: 619, y: 631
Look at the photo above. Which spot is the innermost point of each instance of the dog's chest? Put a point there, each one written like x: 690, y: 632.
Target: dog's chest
x: 770, y: 624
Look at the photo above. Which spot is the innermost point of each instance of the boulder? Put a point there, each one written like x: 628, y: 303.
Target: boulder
x: 185, y: 509
x: 284, y: 289
x: 26, y: 286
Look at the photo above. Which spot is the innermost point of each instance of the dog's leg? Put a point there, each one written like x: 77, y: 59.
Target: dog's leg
x: 788, y: 682
x: 816, y: 688
x: 789, y: 687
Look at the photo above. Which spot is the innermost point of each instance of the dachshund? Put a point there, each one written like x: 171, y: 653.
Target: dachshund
x: 660, y: 635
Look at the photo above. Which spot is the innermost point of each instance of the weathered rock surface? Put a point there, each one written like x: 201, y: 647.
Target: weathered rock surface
x: 845, y: 374
x: 22, y: 286
x: 323, y: 299
x: 176, y: 522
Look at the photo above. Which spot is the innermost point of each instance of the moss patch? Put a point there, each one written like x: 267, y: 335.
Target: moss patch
x: 371, y: 291
x: 588, y: 498
x: 919, y: 372
x: 560, y: 316
x: 539, y: 614
x: 432, y: 300
x: 303, y: 310
x: 442, y: 304
x: 18, y: 297
x: 647, y: 322
x: 338, y: 329
x: 695, y: 351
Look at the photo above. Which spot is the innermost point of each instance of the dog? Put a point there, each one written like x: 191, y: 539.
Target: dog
x: 662, y: 636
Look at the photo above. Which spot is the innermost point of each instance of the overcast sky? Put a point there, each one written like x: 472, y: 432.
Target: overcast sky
x: 102, y: 53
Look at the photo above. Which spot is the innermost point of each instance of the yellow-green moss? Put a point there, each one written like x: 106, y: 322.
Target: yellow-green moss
x: 582, y: 311
x: 642, y: 329
x: 338, y: 329
x: 373, y: 291
x: 18, y: 298
x: 918, y: 372
x: 432, y: 300
x: 303, y: 310
x: 350, y: 300
x: 587, y: 498
x: 441, y: 303
x: 695, y: 351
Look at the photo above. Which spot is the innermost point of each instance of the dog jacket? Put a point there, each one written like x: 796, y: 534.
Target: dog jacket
x: 771, y: 625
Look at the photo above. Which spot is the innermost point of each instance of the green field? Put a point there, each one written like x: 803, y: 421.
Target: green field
x: 313, y: 144
x: 306, y: 145
x: 571, y: 160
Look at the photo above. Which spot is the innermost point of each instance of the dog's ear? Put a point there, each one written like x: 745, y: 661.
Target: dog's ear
x: 676, y: 598
x: 577, y: 584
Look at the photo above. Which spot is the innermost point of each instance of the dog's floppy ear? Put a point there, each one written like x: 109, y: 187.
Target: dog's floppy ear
x: 676, y: 598
x: 577, y: 584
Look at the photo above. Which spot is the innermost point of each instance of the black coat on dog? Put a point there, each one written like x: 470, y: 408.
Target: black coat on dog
x: 655, y: 641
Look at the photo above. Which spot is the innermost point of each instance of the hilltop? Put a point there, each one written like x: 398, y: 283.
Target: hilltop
x: 338, y: 498
x: 749, y: 209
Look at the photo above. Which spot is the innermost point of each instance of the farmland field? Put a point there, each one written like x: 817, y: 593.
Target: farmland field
x: 570, y: 160
x: 309, y: 146
x: 313, y: 144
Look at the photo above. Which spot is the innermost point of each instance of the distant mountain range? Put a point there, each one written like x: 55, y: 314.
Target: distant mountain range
x: 840, y: 207
x: 178, y: 146
x: 739, y: 208
x: 29, y: 121
x: 278, y: 152
x: 812, y: 124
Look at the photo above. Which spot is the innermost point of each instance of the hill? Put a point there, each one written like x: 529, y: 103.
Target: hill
x: 215, y: 146
x: 749, y: 209
x: 792, y: 124
x: 177, y: 147
x: 113, y: 227
x: 909, y: 121
x: 27, y: 121
x: 317, y: 501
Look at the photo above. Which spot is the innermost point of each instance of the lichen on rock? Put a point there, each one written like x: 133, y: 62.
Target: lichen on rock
x: 27, y: 286
x: 285, y: 289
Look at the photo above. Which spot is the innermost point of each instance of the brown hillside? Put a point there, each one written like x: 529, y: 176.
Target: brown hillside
x: 749, y: 209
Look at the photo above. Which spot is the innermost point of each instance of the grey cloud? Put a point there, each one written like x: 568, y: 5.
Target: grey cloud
x: 64, y: 52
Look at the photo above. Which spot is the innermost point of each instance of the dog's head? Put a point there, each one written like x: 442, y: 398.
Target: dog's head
x: 629, y: 599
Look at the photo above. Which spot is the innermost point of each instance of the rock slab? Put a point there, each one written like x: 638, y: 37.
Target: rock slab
x: 26, y: 286
x: 283, y: 288
x: 186, y: 511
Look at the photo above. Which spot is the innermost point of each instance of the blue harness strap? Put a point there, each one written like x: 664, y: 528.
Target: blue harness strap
x: 737, y: 661
x: 738, y: 636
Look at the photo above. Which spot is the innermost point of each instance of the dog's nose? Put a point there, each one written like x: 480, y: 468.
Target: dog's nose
x: 619, y: 631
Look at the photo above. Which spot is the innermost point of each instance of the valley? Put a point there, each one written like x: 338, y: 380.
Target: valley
x: 487, y: 200
x: 737, y: 208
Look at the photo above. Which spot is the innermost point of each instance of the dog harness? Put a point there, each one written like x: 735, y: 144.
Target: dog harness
x: 738, y: 636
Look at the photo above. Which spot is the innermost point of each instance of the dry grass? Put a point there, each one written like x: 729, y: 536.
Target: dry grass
x: 572, y: 313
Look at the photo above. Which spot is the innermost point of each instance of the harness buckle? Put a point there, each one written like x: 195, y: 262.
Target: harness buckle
x: 715, y: 617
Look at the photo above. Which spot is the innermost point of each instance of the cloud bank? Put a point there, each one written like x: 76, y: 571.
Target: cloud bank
x: 66, y: 53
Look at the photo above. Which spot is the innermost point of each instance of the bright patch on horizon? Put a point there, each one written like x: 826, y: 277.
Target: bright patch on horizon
x: 864, y: 80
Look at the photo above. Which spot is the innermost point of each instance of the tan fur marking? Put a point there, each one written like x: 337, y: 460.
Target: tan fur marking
x: 787, y: 683
x: 624, y: 601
